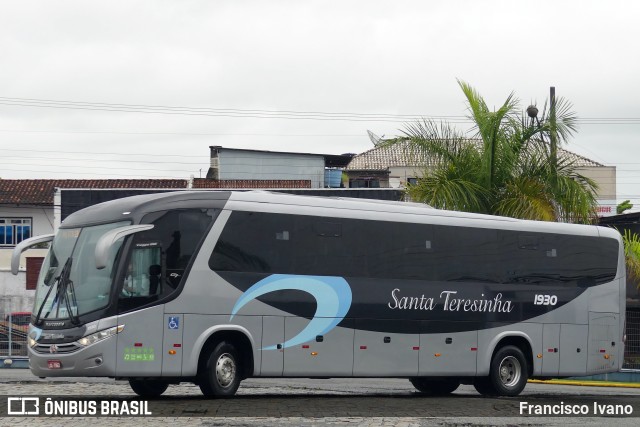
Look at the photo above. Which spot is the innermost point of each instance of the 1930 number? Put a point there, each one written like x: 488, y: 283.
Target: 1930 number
x: 545, y: 299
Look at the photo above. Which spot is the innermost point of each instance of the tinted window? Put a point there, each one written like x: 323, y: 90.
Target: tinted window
x: 554, y: 258
x: 158, y: 258
x: 294, y: 244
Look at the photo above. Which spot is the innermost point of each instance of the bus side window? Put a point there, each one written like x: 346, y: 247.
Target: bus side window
x: 162, y: 255
x: 142, y: 270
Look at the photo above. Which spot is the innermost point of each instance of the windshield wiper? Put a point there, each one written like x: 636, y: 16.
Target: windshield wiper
x: 61, y: 292
x: 46, y: 297
x: 74, y: 317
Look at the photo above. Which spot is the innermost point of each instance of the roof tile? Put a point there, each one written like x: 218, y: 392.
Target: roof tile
x: 398, y: 155
x: 40, y: 191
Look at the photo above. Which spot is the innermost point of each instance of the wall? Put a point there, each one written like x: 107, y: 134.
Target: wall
x: 13, y: 293
x: 402, y: 173
x: 42, y: 217
x: 261, y: 165
x: 42, y: 223
x: 605, y: 177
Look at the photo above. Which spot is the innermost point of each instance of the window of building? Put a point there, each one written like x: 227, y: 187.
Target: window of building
x: 364, y: 183
x: 14, y: 230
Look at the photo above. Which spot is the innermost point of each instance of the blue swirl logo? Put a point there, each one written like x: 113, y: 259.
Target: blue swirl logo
x: 332, y: 294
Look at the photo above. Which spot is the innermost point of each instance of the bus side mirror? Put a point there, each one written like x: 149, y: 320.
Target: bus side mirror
x: 110, y: 237
x: 49, y: 275
x: 23, y: 246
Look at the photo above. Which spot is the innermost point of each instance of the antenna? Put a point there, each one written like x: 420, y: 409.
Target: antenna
x: 375, y: 139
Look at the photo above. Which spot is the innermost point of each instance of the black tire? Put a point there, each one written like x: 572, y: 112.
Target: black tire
x: 148, y: 388
x: 509, y: 371
x: 483, y: 386
x: 222, y: 372
x: 435, y: 387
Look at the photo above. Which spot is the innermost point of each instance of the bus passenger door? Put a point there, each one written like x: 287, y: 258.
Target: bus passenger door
x: 272, y: 335
x: 550, y: 349
x: 139, y: 345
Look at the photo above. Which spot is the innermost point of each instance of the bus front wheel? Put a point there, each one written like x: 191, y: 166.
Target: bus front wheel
x: 508, y: 374
x: 148, y: 388
x: 221, y: 375
x: 435, y: 387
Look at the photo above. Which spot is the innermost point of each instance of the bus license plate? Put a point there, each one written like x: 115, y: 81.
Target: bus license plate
x: 54, y: 364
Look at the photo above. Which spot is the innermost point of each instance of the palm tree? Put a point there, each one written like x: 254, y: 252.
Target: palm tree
x: 505, y: 168
x: 632, y: 254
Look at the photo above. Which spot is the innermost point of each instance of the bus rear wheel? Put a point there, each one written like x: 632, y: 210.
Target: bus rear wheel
x: 148, y: 388
x: 221, y: 374
x: 508, y: 373
x: 435, y: 387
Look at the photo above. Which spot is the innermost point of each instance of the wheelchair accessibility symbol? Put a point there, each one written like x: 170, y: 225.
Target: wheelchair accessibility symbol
x: 174, y: 322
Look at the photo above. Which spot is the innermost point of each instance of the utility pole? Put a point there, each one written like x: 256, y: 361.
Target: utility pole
x: 552, y: 130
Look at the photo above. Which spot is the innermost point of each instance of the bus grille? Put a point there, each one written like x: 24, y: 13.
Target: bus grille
x: 56, y: 348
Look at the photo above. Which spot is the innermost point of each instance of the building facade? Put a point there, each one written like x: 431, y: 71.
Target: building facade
x: 395, y: 166
x: 252, y: 165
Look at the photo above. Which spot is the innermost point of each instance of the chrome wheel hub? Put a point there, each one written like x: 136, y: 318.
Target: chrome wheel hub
x: 225, y: 370
x: 510, y: 371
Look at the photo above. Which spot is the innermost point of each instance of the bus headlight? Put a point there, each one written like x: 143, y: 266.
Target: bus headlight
x: 32, y: 343
x: 99, y: 336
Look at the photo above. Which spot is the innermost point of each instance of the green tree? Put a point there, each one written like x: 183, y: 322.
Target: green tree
x: 632, y: 254
x: 624, y: 206
x: 505, y: 167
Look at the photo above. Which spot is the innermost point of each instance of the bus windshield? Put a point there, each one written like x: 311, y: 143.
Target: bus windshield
x: 83, y: 288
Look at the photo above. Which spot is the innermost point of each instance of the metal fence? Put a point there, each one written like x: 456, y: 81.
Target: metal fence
x: 13, y: 337
x: 632, y: 347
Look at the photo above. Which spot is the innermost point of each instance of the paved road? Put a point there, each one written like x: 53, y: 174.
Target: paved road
x: 319, y: 402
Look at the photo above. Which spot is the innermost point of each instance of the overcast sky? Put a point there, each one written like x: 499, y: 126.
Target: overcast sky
x: 220, y: 59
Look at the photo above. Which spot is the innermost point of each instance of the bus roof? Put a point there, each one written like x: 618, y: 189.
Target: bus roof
x: 135, y: 207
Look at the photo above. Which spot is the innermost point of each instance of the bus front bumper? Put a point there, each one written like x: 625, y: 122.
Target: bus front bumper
x: 95, y: 360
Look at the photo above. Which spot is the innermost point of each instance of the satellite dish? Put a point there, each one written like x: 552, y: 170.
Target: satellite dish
x: 375, y: 139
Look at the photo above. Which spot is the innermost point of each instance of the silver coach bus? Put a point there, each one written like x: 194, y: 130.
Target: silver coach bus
x: 215, y: 287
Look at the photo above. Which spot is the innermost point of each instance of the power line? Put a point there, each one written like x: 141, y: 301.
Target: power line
x: 105, y: 167
x: 127, y: 107
x: 185, y: 133
x: 82, y: 159
x: 355, y: 117
x: 129, y: 175
x: 260, y: 113
x: 96, y: 152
